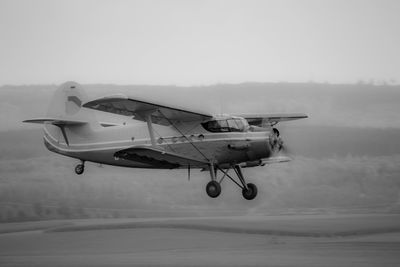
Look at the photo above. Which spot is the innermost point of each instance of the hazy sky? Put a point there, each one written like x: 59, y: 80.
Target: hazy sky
x: 198, y: 42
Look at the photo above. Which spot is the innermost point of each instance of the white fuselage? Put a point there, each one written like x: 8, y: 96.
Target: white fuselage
x: 99, y: 144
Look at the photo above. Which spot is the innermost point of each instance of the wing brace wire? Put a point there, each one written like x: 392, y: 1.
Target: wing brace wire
x: 239, y: 173
x: 198, y: 150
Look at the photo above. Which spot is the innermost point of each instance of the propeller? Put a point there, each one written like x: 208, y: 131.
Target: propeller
x: 277, y: 143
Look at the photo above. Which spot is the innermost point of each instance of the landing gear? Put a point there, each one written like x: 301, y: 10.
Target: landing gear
x: 80, y: 168
x: 213, y: 188
x: 251, y: 191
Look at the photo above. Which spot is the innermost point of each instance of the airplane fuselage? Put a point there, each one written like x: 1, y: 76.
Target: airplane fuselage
x: 100, y: 144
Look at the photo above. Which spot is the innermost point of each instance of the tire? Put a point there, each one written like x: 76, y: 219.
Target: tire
x: 251, y: 191
x: 213, y: 189
x: 79, y: 169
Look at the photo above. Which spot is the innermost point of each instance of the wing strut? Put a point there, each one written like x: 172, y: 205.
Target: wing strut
x: 151, y: 130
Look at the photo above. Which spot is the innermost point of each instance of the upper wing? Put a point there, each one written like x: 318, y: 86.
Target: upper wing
x: 158, y: 158
x: 263, y: 119
x: 139, y: 109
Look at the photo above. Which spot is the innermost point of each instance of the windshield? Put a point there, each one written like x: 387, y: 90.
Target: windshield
x: 226, y: 125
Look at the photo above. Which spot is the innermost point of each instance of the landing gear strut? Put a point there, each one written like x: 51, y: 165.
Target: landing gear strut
x: 249, y: 191
x: 213, y: 188
x: 80, y: 168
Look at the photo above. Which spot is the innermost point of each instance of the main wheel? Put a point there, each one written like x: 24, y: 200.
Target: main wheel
x: 213, y: 189
x: 79, y: 169
x: 251, y: 191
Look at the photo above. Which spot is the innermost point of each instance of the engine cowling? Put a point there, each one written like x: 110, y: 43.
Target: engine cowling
x: 275, y: 141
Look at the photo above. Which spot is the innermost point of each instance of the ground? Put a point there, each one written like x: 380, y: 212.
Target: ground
x: 295, y: 240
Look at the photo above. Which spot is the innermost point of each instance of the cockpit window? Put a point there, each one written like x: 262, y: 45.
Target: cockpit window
x: 223, y: 126
x: 233, y: 126
x: 240, y: 124
x: 216, y: 126
x: 226, y: 125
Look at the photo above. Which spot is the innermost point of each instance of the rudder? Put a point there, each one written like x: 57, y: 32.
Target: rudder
x: 67, y: 104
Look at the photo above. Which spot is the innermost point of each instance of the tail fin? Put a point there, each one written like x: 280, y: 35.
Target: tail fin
x: 67, y: 104
x: 66, y: 108
x: 66, y: 112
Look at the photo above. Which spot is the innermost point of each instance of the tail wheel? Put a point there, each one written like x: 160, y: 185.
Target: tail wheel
x: 213, y: 189
x: 79, y: 169
x: 251, y: 191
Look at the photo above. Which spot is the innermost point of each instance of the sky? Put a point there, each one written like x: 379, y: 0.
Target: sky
x: 198, y: 42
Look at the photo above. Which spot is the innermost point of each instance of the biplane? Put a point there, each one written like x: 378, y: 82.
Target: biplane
x: 163, y: 137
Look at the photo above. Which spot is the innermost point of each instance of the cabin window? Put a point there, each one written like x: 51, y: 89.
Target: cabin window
x: 240, y: 124
x: 216, y: 126
x: 225, y: 125
x: 233, y: 126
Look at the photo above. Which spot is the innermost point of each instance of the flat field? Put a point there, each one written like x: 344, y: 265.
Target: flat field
x: 293, y: 240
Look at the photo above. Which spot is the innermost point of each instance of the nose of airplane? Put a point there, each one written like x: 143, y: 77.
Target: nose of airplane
x: 275, y: 141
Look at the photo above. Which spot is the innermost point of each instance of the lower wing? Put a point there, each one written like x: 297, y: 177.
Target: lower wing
x: 158, y: 158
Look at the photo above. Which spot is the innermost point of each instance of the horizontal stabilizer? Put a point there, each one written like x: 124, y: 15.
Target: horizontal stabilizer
x: 158, y: 158
x: 55, y: 121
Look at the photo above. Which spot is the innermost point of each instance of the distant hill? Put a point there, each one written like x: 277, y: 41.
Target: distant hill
x: 350, y: 105
x: 347, y: 156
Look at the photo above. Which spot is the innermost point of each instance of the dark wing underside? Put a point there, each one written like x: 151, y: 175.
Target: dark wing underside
x: 271, y: 119
x: 158, y: 158
x: 139, y: 109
